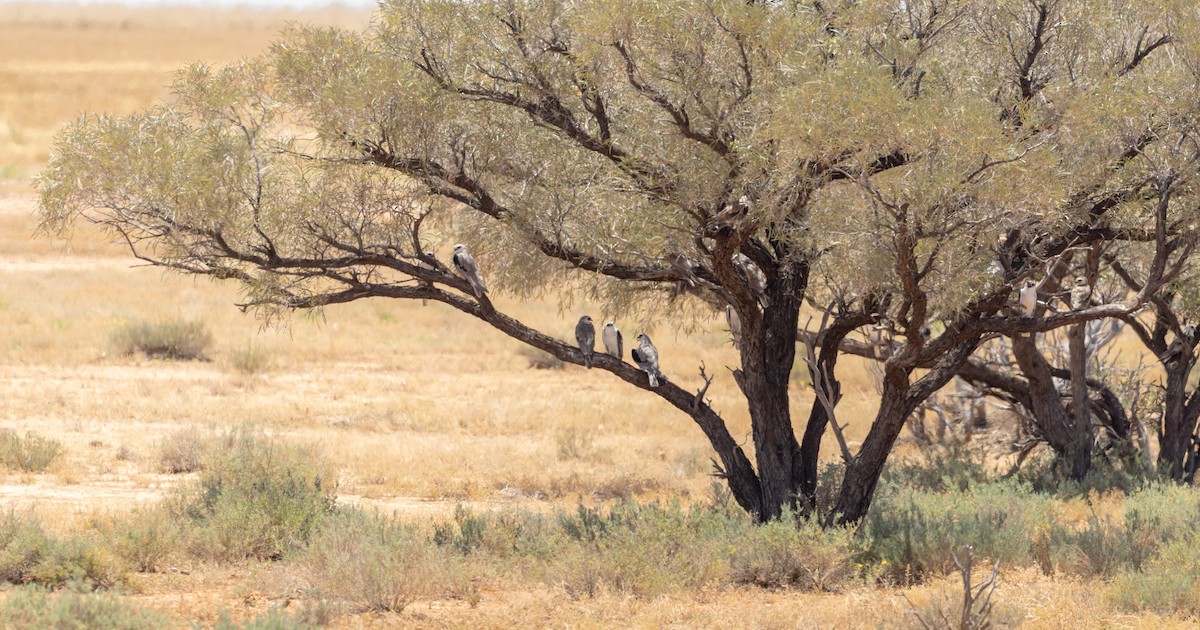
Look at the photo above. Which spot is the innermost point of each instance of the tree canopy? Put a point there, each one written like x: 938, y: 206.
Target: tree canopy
x: 901, y: 167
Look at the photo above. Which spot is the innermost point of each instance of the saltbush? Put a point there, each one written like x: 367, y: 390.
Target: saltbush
x: 28, y: 453
x: 75, y: 607
x: 167, y: 339
x: 256, y: 498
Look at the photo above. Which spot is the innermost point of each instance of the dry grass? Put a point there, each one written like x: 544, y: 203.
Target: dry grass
x: 416, y: 419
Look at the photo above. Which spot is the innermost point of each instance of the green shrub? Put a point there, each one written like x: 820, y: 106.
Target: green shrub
x: 249, y: 360
x: 144, y: 538
x: 183, y: 451
x: 29, y: 556
x: 31, y: 453
x: 75, y: 607
x: 373, y: 562
x: 167, y: 339
x: 787, y: 553
x: 271, y: 619
x: 915, y: 530
x: 256, y: 498
x: 1169, y: 584
x: 642, y: 550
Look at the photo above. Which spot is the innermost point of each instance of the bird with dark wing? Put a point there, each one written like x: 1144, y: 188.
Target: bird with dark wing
x: 465, y: 264
x: 645, y: 355
x: 754, y: 277
x: 1081, y: 294
x: 735, y: 325
x: 1028, y: 298
x: 614, y: 343
x: 585, y: 336
x: 1174, y: 352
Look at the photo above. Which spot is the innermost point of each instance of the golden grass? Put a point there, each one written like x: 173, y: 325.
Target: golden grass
x: 420, y: 407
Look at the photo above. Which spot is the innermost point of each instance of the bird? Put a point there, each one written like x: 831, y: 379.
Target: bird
x: 645, y: 355
x: 1028, y: 298
x: 614, y: 343
x: 755, y: 277
x: 585, y: 335
x: 465, y: 264
x: 1081, y: 294
x: 1175, y: 350
x: 735, y: 325
x: 727, y: 220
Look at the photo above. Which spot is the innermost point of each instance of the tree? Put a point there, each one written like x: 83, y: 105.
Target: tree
x: 667, y: 162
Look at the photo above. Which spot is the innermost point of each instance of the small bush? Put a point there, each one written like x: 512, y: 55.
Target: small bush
x: 29, y: 556
x: 271, y: 619
x: 182, y: 452
x: 573, y: 443
x: 642, y: 550
x: 375, y: 563
x: 787, y: 553
x: 249, y: 360
x: 75, y: 607
x: 915, y: 530
x: 145, y: 538
x: 540, y: 359
x: 169, y: 339
x: 256, y: 498
x: 31, y: 453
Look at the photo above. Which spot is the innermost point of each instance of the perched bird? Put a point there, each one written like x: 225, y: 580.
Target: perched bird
x: 1028, y: 298
x: 735, y: 325
x: 465, y: 264
x: 1175, y: 351
x: 683, y: 266
x: 1081, y: 294
x: 614, y: 343
x: 585, y: 335
x: 645, y: 355
x: 727, y: 220
x: 755, y: 277
x: 423, y: 264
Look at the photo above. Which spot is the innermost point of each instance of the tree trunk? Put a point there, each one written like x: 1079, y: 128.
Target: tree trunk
x: 862, y: 474
x: 1175, y: 439
x: 818, y: 418
x: 768, y: 354
x: 897, y: 402
x: 1081, y: 457
x: 1048, y: 411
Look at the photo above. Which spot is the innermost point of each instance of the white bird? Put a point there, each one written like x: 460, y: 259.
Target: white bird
x: 614, y: 343
x: 735, y: 325
x: 465, y: 264
x: 1081, y: 294
x: 645, y: 355
x: 755, y: 277
x: 1175, y: 351
x: 585, y: 335
x: 1028, y: 298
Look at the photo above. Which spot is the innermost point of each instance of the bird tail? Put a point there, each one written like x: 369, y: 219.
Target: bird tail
x: 653, y: 379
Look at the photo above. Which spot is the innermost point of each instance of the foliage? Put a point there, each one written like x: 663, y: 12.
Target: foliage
x: 183, y: 451
x: 377, y: 563
x: 31, y: 453
x: 29, y: 556
x: 916, y: 531
x: 792, y: 553
x: 167, y: 339
x: 74, y: 607
x: 256, y: 498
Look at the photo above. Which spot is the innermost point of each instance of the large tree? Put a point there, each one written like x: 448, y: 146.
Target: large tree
x: 909, y: 162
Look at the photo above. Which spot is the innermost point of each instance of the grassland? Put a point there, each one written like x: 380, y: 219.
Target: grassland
x: 420, y: 409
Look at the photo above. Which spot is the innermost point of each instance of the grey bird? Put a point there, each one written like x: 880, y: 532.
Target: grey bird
x: 1081, y: 294
x: 645, y: 355
x: 614, y: 343
x: 1175, y: 351
x: 585, y: 335
x: 735, y: 325
x: 465, y: 264
x: 1028, y: 298
x: 755, y: 277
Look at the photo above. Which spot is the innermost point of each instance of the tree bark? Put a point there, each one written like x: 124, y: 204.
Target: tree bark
x: 1057, y: 425
x: 1175, y: 437
x: 768, y: 354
